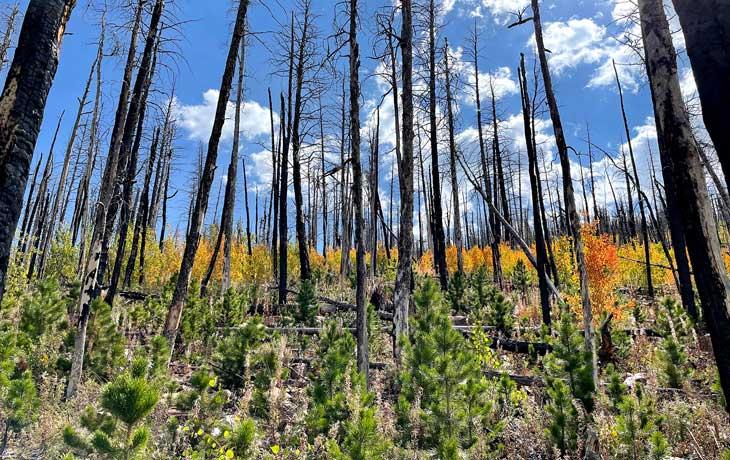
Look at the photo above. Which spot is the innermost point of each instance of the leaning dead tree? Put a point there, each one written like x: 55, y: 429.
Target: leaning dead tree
x: 192, y: 240
x: 22, y: 105
x: 706, y: 28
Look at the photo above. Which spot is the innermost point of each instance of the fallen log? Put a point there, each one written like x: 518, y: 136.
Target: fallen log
x: 514, y: 346
x: 521, y: 380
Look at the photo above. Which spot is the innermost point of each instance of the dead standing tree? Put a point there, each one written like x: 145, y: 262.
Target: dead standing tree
x: 22, y: 105
x: 172, y: 321
x: 681, y: 162
x: 568, y: 192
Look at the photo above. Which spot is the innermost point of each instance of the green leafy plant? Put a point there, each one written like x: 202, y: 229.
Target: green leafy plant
x: 19, y: 404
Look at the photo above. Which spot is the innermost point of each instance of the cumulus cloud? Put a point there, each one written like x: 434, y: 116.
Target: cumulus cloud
x: 501, y: 9
x: 197, y: 119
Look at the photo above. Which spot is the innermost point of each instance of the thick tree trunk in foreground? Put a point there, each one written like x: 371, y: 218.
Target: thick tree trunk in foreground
x: 706, y: 28
x: 403, y: 277
x: 22, y: 104
x: 681, y: 160
x: 174, y: 314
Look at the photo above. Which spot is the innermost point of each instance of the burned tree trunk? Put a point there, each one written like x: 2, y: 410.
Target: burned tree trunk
x: 568, y: 193
x: 357, y: 188
x: 540, y: 250
x: 106, y: 191
x: 458, y: 237
x: 229, y: 199
x: 706, y: 28
x: 637, y: 184
x: 174, y: 314
x: 681, y: 161
x: 403, y: 279
x: 22, y: 104
x: 439, y: 239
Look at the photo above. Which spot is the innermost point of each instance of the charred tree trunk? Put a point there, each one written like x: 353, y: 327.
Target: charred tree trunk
x: 637, y: 183
x: 22, y: 104
x: 91, y: 267
x: 681, y: 161
x: 568, y: 194
x: 458, y: 237
x: 174, y: 314
x: 706, y: 28
x: 403, y: 279
x: 540, y: 250
x: 439, y: 239
x: 357, y: 188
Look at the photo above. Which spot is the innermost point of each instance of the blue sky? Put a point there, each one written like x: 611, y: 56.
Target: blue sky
x: 582, y: 35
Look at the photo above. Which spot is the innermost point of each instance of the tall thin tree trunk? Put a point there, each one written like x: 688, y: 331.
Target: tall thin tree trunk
x: 92, y: 263
x: 403, y: 278
x: 537, y: 216
x: 174, y: 314
x: 439, y: 239
x: 568, y: 194
x: 458, y: 237
x: 637, y: 183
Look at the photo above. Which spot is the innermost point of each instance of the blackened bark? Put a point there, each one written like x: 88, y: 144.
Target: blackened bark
x: 568, y: 194
x: 357, y: 188
x: 540, y: 249
x: 22, y: 105
x: 706, y: 28
x: 439, y: 239
x: 404, y: 274
x: 458, y: 236
x: 174, y: 314
x: 131, y: 140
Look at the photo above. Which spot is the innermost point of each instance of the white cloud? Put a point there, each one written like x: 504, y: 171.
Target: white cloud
x: 577, y: 41
x: 502, y: 9
x: 197, y: 119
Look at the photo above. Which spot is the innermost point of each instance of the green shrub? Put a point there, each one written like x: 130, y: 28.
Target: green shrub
x: 126, y: 401
x: 307, y: 306
x: 232, y: 357
x: 456, y: 294
x: 563, y: 424
x: 673, y: 360
x: 19, y: 404
x: 442, y: 403
x: 501, y: 313
x: 615, y: 389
